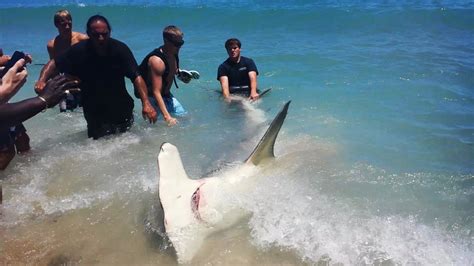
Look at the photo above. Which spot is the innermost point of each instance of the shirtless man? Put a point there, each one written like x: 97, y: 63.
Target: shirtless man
x: 57, y: 46
x: 66, y: 37
x: 158, y: 69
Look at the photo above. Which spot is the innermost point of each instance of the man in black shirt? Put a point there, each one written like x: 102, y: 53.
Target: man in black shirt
x: 237, y: 74
x: 102, y: 63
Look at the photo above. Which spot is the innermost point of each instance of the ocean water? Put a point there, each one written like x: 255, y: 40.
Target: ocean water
x: 374, y: 164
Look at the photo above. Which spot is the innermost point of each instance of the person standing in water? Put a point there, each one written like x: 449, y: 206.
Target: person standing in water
x: 57, y: 46
x: 14, y: 138
x: 66, y: 37
x: 102, y: 63
x: 159, y: 69
x: 237, y: 74
x: 13, y: 114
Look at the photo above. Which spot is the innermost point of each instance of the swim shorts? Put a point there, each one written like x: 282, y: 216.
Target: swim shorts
x: 173, y: 106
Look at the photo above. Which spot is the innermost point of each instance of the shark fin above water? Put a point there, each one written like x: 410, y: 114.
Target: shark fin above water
x: 266, y: 145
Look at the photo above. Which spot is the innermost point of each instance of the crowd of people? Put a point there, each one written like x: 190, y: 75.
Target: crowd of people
x: 89, y: 70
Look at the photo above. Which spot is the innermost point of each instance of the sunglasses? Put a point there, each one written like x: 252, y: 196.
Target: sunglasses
x: 176, y: 43
x: 97, y: 34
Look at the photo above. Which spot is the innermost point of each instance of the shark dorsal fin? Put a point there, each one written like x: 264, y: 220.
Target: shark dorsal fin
x: 264, y: 147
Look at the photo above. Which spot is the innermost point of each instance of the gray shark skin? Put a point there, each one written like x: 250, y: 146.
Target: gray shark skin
x: 265, y: 146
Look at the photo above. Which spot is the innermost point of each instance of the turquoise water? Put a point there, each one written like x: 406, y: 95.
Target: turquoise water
x: 376, y: 153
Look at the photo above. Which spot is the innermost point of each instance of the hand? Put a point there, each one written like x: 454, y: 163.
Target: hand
x: 254, y: 96
x: 57, y: 88
x: 148, y: 112
x: 171, y: 121
x: 184, y: 77
x: 39, y: 86
x: 13, y: 80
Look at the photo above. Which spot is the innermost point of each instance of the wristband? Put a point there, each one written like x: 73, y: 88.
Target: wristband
x: 45, y: 102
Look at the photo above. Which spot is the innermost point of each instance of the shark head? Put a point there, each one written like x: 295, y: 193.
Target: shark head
x: 196, y: 208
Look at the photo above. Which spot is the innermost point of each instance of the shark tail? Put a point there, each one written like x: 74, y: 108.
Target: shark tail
x: 265, y: 146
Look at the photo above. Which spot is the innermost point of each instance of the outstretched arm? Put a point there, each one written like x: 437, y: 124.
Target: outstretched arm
x: 55, y: 89
x: 253, y: 85
x: 224, y: 80
x: 49, y: 70
x: 157, y: 69
x: 148, y: 111
x: 14, y: 113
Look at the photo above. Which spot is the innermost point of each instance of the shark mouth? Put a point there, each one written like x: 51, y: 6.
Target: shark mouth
x: 195, y: 198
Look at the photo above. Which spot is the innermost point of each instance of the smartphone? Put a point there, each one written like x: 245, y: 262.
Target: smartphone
x: 17, y: 55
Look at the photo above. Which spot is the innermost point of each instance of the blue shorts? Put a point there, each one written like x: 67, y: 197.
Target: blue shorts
x: 173, y: 106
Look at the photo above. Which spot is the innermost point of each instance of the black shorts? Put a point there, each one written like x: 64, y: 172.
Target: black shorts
x: 97, y: 129
x: 8, y: 136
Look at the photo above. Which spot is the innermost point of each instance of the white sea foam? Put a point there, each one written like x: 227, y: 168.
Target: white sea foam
x: 292, y: 208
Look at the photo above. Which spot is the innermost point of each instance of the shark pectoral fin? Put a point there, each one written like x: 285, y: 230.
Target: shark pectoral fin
x: 265, y: 146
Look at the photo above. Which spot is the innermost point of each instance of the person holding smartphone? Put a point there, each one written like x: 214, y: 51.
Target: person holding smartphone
x: 13, y: 114
x: 15, y: 137
x: 10, y: 84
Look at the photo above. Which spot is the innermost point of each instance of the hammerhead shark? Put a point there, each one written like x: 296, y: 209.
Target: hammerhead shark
x: 196, y: 208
